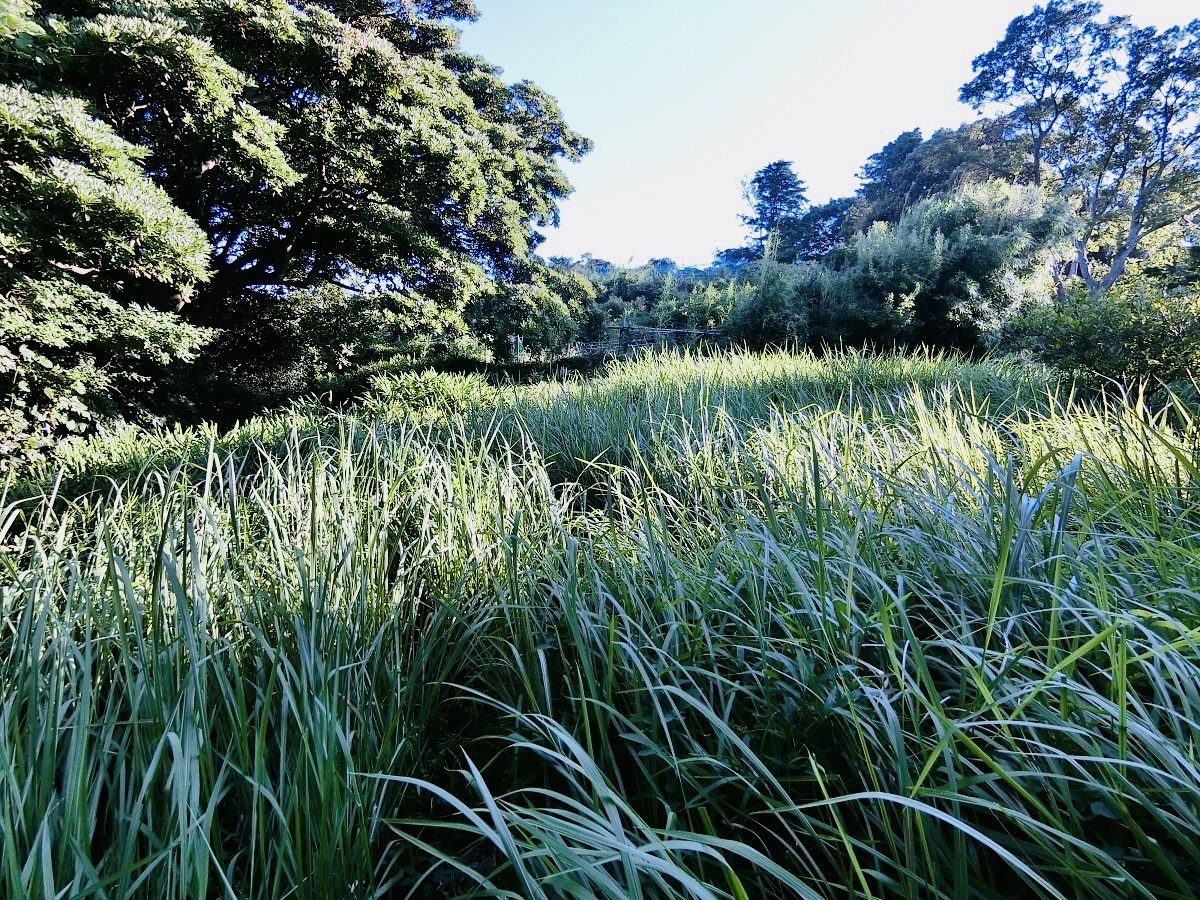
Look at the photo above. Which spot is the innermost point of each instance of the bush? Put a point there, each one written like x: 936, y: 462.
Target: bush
x: 770, y: 304
x: 947, y: 274
x: 944, y: 276
x: 1137, y: 335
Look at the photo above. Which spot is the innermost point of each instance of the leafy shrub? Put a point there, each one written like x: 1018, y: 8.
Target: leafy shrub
x: 72, y: 358
x: 539, y: 310
x: 1135, y: 335
x: 947, y: 273
x: 770, y: 304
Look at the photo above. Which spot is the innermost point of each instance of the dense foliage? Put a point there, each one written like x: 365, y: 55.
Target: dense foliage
x: 1143, y: 335
x: 93, y: 256
x: 746, y: 626
x: 175, y: 166
x: 1113, y: 114
x: 1067, y: 226
x: 948, y: 272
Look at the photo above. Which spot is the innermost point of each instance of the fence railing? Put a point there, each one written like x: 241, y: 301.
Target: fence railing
x: 622, y: 339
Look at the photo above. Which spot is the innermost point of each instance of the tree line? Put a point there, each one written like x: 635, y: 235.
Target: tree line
x: 1065, y: 223
x: 208, y: 207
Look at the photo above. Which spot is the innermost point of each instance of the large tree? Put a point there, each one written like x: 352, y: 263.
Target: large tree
x: 1113, y: 112
x: 340, y: 143
x: 93, y: 257
x: 325, y: 142
x: 1047, y: 60
x: 777, y: 196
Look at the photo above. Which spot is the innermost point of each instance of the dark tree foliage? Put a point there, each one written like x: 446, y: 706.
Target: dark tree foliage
x: 909, y: 169
x: 343, y: 143
x: 881, y: 187
x: 817, y: 233
x: 777, y: 196
x: 316, y: 148
x: 734, y: 258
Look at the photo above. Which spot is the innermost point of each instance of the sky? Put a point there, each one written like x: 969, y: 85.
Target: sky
x: 686, y: 99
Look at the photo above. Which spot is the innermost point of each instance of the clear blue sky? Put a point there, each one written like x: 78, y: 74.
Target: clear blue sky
x: 685, y: 99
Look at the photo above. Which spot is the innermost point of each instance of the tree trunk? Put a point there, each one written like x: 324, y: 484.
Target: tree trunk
x: 1038, y: 137
x: 1085, y: 268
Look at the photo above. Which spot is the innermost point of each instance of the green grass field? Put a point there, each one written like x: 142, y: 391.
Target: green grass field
x: 736, y: 626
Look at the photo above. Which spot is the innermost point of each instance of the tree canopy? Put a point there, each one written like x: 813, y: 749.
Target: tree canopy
x: 777, y: 196
x: 1113, y: 114
x: 93, y: 256
x: 250, y: 151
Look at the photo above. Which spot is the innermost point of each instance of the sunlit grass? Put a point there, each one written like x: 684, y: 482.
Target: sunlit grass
x: 728, y: 627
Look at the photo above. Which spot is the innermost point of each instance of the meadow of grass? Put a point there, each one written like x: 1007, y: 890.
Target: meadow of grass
x: 738, y: 626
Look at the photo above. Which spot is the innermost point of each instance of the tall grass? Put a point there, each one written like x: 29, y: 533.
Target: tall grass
x: 739, y: 627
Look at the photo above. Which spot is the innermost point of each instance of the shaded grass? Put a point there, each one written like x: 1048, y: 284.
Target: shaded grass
x: 857, y: 627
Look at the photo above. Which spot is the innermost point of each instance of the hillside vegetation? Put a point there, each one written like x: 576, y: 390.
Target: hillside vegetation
x: 742, y: 626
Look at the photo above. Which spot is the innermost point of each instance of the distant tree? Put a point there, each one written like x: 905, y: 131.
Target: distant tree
x: 817, y: 233
x: 734, y: 258
x: 1114, y: 112
x: 882, y: 189
x: 909, y: 169
x: 776, y: 196
x: 594, y: 265
x: 1047, y: 60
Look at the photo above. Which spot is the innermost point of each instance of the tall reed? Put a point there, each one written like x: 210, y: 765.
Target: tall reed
x: 738, y: 627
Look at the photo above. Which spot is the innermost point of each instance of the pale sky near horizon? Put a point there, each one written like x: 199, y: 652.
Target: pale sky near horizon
x: 685, y: 99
